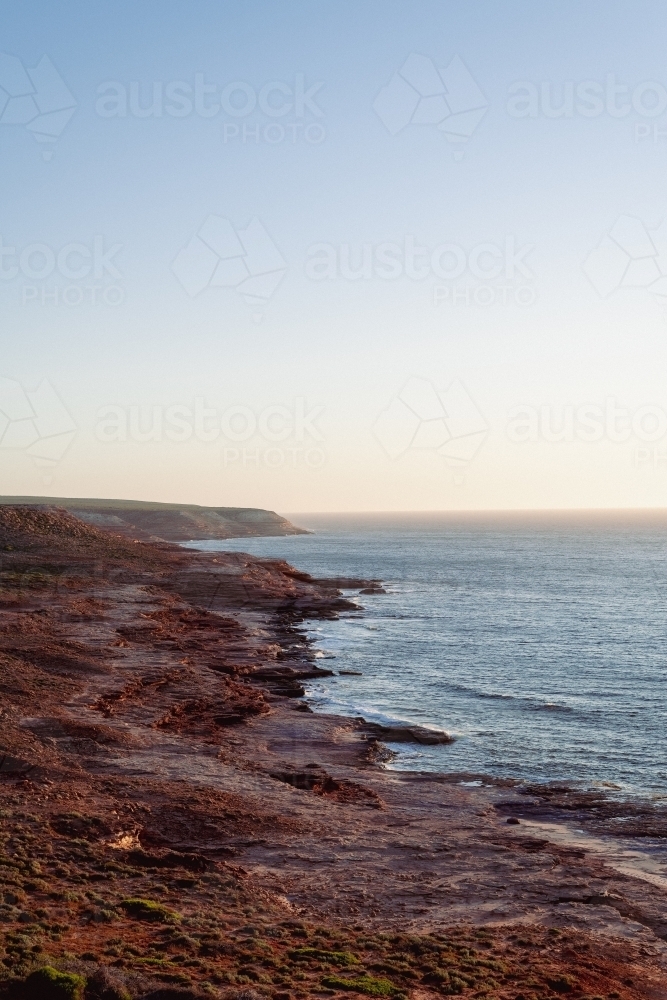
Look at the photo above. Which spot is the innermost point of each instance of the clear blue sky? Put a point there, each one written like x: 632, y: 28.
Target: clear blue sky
x: 304, y: 381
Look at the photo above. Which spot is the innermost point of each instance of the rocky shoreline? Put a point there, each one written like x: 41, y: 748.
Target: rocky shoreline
x: 176, y: 823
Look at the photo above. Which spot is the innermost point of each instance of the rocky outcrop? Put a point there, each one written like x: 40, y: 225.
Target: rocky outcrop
x: 407, y: 734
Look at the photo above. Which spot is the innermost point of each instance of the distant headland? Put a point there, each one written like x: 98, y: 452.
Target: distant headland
x: 167, y: 522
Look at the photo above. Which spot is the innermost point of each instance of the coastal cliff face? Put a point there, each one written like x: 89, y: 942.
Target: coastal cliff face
x: 166, y: 522
x: 175, y: 823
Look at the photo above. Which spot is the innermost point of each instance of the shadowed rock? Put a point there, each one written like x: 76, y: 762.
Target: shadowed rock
x: 407, y: 734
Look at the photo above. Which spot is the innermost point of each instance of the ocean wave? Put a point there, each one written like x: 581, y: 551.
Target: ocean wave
x: 552, y: 706
x: 533, y: 703
x: 330, y: 705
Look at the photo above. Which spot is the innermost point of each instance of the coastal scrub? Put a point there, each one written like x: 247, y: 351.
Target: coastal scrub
x: 369, y: 985
x: 148, y: 909
x: 50, y: 984
x: 321, y: 955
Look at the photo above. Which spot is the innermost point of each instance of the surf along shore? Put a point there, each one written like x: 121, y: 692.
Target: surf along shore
x: 175, y: 822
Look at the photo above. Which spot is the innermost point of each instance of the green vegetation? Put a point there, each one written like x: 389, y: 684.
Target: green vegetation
x: 50, y: 984
x: 449, y: 983
x: 148, y: 909
x: 364, y: 984
x: 320, y: 955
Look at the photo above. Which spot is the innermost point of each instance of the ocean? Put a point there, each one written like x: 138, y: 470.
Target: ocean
x: 538, y: 641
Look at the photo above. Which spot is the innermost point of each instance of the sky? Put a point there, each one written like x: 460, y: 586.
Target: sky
x: 331, y: 256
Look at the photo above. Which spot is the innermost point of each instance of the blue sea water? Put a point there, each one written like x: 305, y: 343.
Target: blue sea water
x: 539, y: 641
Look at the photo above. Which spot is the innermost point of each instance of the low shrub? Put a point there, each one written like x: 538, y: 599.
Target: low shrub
x: 321, y: 955
x: 50, y: 984
x: 364, y: 984
x: 148, y: 909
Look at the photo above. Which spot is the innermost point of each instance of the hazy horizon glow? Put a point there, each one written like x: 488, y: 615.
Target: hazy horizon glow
x: 335, y: 258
